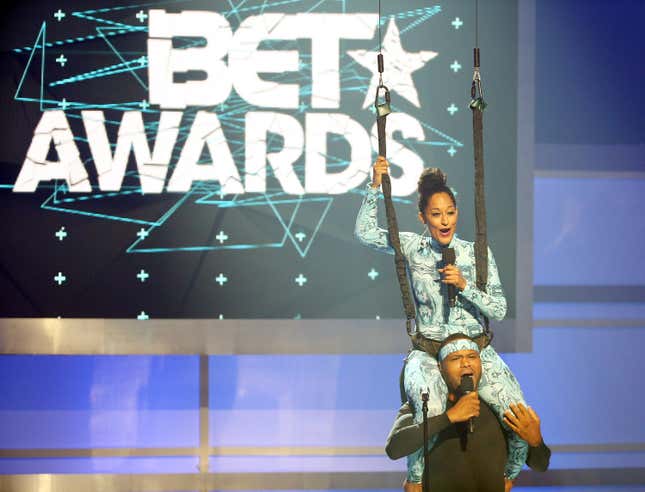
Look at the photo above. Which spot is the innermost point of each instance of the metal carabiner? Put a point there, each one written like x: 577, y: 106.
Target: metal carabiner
x: 477, y: 93
x: 382, y: 108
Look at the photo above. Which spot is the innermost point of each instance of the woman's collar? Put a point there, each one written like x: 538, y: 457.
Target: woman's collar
x: 434, y: 244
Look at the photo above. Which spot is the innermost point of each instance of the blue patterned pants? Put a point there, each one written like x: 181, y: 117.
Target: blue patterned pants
x: 498, y: 388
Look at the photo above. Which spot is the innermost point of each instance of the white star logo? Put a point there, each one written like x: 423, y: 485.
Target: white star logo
x: 399, y: 66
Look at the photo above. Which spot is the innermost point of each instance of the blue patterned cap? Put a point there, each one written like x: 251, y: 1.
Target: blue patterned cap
x: 456, y: 345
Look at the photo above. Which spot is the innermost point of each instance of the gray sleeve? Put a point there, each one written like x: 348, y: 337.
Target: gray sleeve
x: 539, y: 457
x: 406, y: 436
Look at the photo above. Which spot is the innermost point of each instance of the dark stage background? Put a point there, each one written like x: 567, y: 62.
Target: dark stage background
x: 220, y: 250
x: 187, y: 401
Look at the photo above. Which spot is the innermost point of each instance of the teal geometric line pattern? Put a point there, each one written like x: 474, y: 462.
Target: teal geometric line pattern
x: 103, y: 72
x: 73, y: 40
x: 121, y: 25
x: 279, y: 244
x: 423, y: 15
x: 101, y: 30
x: 39, y: 44
x: 287, y: 228
x: 353, y: 80
x: 420, y: 12
x: 51, y: 203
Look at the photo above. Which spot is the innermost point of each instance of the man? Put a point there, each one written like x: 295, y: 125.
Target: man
x: 460, y: 461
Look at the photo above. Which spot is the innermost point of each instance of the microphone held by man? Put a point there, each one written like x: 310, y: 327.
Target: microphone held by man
x: 467, y: 386
x: 458, y: 459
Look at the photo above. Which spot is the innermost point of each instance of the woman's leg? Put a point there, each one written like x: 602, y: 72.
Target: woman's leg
x: 422, y: 376
x: 499, y: 388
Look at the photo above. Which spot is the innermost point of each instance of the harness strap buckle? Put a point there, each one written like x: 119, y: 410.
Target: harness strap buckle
x: 382, y: 107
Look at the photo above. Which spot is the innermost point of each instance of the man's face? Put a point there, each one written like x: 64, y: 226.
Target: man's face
x: 459, y: 364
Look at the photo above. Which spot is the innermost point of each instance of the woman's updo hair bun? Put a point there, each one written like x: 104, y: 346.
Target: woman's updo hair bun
x: 432, y: 180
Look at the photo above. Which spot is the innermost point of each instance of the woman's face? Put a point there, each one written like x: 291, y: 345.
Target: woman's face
x: 440, y: 217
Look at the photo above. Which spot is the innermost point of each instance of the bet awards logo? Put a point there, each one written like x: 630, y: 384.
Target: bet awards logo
x: 230, y: 61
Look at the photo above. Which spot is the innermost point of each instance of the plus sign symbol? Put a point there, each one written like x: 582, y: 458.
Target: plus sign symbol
x: 142, y: 16
x: 301, y: 280
x: 221, y: 237
x: 60, y: 278
x: 61, y: 233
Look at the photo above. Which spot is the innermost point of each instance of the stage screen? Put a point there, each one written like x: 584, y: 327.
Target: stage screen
x: 196, y: 159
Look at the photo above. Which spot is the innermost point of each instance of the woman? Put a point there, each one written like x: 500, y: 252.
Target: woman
x: 435, y: 319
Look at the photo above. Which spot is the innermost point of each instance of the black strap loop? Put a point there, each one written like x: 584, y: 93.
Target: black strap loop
x: 382, y: 110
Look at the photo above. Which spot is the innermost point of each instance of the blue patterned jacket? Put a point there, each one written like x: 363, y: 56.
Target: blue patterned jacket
x: 435, y: 318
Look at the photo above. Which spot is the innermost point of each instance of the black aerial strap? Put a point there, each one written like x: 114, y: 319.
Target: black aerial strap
x: 382, y: 110
x: 477, y: 105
